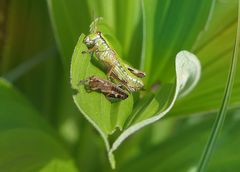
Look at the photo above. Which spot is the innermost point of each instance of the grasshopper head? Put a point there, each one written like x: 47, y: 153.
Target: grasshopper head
x: 90, y: 40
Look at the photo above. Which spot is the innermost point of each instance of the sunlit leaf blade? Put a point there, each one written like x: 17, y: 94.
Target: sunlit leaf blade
x: 170, y: 27
x: 182, y: 150
x: 221, y: 11
x: 26, y: 139
x: 214, y: 49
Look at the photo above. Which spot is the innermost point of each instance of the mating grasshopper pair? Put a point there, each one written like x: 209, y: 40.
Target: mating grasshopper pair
x: 122, y: 75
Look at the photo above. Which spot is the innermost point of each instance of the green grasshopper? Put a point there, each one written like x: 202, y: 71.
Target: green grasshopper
x: 109, y: 89
x: 127, y: 76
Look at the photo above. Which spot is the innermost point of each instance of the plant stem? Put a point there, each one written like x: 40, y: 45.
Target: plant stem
x: 217, y: 126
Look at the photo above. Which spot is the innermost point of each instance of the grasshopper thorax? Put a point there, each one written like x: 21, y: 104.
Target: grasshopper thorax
x: 90, y: 40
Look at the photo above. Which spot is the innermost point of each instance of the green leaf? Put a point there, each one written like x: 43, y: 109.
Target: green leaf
x: 106, y: 116
x: 149, y: 9
x: 127, y: 18
x: 28, y: 32
x: 26, y: 139
x: 187, y: 74
x: 208, y: 151
x: 31, y: 61
x: 30, y: 150
x: 100, y: 111
x: 214, y: 49
x: 68, y: 23
x: 17, y: 112
x: 29, y: 54
x: 170, y: 27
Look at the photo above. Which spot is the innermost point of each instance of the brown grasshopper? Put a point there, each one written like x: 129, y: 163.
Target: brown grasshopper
x: 110, y: 90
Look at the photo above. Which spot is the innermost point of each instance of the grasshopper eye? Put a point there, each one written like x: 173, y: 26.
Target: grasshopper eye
x: 88, y: 42
x: 99, y: 33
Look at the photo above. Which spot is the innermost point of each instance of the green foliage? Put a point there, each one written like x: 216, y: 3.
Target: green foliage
x: 214, y: 49
x: 106, y: 116
x: 170, y: 27
x: 181, y: 151
x: 27, y: 142
x: 41, y: 129
x: 93, y: 105
x: 223, y: 110
x: 29, y: 48
x: 205, y: 40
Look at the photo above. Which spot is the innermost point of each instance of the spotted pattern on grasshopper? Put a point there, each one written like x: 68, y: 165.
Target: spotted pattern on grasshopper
x: 109, y: 89
x: 117, y: 69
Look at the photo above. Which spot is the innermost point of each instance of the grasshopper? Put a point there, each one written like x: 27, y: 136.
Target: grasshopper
x: 127, y: 76
x: 109, y: 89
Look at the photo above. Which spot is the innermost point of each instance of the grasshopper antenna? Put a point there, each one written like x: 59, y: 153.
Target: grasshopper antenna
x: 93, y: 25
x: 82, y: 82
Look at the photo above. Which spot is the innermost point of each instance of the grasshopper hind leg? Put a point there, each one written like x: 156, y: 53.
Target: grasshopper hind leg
x: 136, y: 72
x: 109, y: 74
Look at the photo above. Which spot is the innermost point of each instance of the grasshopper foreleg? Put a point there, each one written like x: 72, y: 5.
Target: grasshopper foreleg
x: 90, y: 51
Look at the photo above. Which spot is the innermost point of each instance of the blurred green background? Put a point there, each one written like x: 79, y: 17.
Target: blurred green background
x: 42, y: 130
